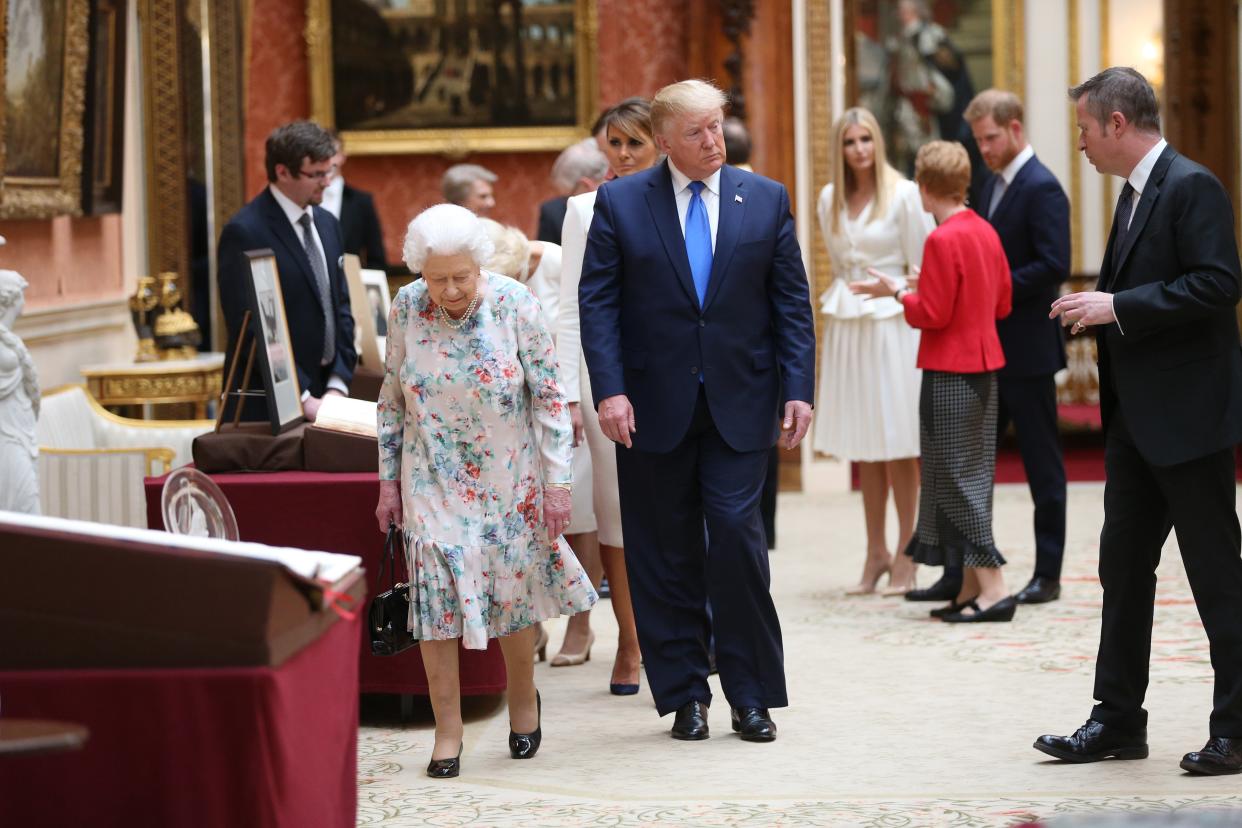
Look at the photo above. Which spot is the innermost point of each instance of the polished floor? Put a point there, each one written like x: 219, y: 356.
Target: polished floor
x: 895, y: 720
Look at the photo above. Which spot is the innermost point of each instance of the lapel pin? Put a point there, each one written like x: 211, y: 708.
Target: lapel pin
x: 737, y: 198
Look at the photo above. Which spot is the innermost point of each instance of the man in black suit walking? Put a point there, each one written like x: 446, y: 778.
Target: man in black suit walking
x: 1171, y: 398
x: 306, y: 239
x: 1025, y: 203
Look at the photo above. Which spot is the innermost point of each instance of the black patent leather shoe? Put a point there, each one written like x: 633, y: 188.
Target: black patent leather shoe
x: 952, y: 607
x: 1095, y: 741
x: 754, y: 724
x: 690, y: 724
x: 1221, y: 755
x: 1040, y: 590
x: 1003, y: 610
x: 526, y: 745
x: 445, y: 768
x: 942, y: 590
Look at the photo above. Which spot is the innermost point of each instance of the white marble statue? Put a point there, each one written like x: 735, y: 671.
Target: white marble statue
x: 19, y: 405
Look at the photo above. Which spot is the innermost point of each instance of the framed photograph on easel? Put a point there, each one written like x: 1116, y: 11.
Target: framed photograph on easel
x: 272, y: 344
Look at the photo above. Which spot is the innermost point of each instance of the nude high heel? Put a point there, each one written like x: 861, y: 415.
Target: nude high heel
x: 564, y: 659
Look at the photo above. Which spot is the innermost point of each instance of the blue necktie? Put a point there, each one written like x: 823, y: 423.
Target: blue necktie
x: 698, y: 241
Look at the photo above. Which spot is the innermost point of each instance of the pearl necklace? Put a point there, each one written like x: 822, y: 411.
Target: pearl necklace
x: 458, y: 324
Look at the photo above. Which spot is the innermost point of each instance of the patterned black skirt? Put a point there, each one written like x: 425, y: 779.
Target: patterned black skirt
x: 957, y: 437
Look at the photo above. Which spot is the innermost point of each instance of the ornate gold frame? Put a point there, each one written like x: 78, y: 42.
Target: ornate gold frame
x: 451, y: 142
x: 30, y: 197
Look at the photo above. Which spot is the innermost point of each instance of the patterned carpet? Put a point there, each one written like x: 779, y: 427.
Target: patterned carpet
x: 896, y: 720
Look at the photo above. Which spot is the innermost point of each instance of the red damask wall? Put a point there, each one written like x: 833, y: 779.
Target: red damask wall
x: 641, y: 48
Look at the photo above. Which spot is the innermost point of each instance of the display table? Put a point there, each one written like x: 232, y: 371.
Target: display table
x: 335, y: 513
x: 187, y: 381
x: 254, y: 746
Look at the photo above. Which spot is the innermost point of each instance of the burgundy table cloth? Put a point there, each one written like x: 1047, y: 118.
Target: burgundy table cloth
x: 253, y: 746
x: 335, y: 512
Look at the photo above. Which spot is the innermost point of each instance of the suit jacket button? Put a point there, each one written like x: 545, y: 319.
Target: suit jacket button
x: 694, y: 369
x: 702, y: 323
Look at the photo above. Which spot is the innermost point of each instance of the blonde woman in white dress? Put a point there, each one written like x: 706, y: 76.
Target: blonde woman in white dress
x: 537, y: 264
x: 630, y: 148
x: 868, y: 406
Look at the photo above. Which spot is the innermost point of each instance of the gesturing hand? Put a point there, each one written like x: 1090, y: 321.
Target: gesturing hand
x: 797, y: 421
x: 616, y: 419
x: 1083, y: 310
x: 389, y: 508
x: 557, y: 509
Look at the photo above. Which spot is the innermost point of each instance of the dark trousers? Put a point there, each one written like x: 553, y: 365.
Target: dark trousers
x: 666, y: 501
x: 1031, y: 404
x: 1197, y: 499
x: 767, y: 503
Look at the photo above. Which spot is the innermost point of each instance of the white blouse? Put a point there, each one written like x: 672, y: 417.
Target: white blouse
x: 578, y: 213
x: 892, y: 244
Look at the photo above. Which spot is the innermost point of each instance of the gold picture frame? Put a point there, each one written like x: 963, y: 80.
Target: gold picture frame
x: 49, y: 186
x: 455, y: 141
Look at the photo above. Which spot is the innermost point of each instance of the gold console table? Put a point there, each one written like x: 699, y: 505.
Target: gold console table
x: 187, y: 382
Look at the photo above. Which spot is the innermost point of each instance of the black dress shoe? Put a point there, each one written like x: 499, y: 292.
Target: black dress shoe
x: 1040, y: 590
x: 690, y: 724
x: 445, y: 768
x: 942, y: 590
x: 526, y: 745
x: 952, y: 607
x: 1221, y: 755
x: 754, y: 724
x: 1095, y: 741
x: 1002, y: 610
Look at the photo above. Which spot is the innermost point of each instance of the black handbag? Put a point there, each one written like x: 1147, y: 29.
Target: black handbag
x: 389, y: 612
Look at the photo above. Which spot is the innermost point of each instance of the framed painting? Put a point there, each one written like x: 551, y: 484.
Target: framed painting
x: 916, y: 64
x: 44, y: 88
x: 104, y: 127
x: 429, y: 76
x: 273, y: 346
x: 367, y: 340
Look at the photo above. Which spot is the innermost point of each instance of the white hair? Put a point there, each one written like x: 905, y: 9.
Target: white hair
x: 688, y: 97
x: 577, y: 161
x: 445, y: 230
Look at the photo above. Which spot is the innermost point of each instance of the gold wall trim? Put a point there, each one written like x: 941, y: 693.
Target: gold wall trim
x: 452, y: 142
x: 1075, y: 194
x: 819, y: 66
x: 227, y: 118
x: 31, y: 198
x: 1106, y: 211
x: 1009, y: 45
x: 158, y: 24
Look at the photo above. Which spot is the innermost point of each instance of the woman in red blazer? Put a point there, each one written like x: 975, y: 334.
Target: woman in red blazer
x: 964, y: 287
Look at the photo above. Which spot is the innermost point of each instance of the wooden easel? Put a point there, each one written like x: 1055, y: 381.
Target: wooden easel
x: 239, y: 393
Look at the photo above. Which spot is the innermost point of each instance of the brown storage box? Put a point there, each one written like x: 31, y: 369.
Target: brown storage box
x: 249, y: 447
x: 338, y: 451
x: 74, y: 599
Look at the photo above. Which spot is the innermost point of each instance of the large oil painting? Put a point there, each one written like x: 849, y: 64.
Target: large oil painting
x: 452, y: 76
x: 916, y: 65
x: 44, y: 75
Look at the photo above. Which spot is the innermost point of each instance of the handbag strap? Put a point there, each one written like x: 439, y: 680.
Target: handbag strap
x: 388, y: 558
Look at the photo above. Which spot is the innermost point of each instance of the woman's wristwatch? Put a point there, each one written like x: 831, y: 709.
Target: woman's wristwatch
x: 897, y: 293
x: 566, y: 486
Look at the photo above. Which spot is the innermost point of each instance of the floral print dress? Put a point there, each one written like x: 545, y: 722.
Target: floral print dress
x: 456, y: 419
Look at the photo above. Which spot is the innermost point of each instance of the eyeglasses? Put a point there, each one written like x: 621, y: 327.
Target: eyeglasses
x: 319, y: 175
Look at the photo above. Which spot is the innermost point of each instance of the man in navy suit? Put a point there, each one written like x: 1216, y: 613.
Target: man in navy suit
x: 699, y: 336
x: 306, y: 239
x: 1026, y: 205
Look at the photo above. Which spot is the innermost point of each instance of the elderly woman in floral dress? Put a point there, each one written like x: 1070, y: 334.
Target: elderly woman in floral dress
x: 470, y: 369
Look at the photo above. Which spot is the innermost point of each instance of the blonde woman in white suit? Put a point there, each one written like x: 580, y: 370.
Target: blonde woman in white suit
x: 630, y: 148
x: 868, y: 406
